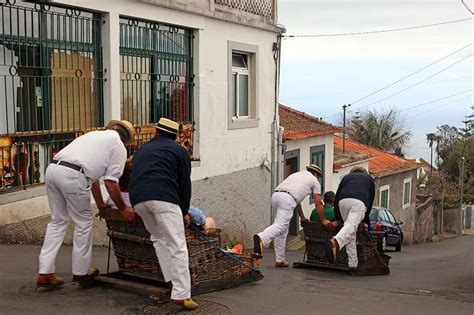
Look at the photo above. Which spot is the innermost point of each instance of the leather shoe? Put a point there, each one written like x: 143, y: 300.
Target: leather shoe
x: 188, y: 304
x: 49, y: 281
x: 87, y: 279
x: 282, y: 264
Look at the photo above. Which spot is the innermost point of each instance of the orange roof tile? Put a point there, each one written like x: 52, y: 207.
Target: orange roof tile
x: 381, y: 164
x: 299, y: 125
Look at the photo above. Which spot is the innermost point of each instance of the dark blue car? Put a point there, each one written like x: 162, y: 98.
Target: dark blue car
x: 384, y: 226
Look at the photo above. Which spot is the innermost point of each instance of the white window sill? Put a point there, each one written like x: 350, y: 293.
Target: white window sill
x: 240, y: 123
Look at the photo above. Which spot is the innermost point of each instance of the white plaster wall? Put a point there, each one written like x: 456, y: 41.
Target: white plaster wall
x: 337, y: 176
x: 221, y: 151
x: 305, y: 146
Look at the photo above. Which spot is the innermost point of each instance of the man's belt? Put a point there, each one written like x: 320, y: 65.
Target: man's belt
x: 70, y: 165
x: 286, y: 192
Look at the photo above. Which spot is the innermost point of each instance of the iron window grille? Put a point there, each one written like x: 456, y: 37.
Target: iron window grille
x: 50, y: 85
x: 156, y: 72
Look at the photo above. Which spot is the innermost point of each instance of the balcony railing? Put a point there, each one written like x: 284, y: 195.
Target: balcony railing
x: 262, y: 8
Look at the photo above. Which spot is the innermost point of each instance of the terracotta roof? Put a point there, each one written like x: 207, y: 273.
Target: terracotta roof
x: 299, y: 125
x: 423, y: 162
x: 381, y: 164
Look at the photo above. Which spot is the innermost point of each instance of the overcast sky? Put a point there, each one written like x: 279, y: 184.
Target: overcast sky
x: 321, y: 74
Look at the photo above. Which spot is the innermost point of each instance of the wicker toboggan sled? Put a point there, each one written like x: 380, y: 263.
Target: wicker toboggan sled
x: 372, y: 261
x: 210, y: 268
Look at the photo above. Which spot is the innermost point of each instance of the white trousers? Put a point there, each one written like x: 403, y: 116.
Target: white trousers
x: 164, y: 221
x: 352, y: 212
x: 69, y: 197
x: 283, y: 205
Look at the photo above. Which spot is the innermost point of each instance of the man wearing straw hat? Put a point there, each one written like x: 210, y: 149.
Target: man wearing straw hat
x: 285, y: 199
x: 352, y: 205
x: 70, y: 178
x: 160, y: 192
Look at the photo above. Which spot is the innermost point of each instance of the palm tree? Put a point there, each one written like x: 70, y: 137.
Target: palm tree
x: 380, y: 130
x: 431, y: 138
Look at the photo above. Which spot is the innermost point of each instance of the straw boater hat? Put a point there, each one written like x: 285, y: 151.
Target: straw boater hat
x: 168, y: 125
x: 125, y: 124
x: 314, y: 168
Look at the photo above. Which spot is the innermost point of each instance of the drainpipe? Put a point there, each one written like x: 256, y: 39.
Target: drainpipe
x: 275, y: 134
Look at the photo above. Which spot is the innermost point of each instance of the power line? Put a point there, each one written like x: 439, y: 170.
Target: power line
x: 438, y: 107
x: 364, y: 90
x: 418, y: 83
x: 413, y: 73
x: 436, y: 100
x: 378, y: 31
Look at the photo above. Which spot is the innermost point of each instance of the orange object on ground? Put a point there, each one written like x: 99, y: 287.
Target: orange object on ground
x: 238, y: 249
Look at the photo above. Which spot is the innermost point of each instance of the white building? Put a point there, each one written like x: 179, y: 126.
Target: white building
x: 69, y: 66
x: 307, y: 140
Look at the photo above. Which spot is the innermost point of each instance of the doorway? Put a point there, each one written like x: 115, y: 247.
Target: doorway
x: 292, y: 161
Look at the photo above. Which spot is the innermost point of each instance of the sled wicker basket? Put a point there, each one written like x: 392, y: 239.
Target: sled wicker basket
x: 371, y: 260
x: 210, y: 268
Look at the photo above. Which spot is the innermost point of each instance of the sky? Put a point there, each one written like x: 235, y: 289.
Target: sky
x: 320, y: 74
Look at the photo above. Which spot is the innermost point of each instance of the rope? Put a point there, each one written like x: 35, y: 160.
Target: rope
x: 218, y: 249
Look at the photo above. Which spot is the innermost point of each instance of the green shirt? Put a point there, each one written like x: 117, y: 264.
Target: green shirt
x: 328, y: 212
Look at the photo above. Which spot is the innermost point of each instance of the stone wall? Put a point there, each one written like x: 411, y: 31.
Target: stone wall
x: 424, y: 220
x: 452, y: 220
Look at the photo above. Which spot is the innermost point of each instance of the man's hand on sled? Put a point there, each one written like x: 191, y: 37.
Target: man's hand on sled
x: 328, y: 225
x: 129, y: 215
x: 336, y: 224
x: 364, y: 225
x: 187, y: 220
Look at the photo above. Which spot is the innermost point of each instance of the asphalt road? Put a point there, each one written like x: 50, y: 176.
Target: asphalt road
x: 435, y: 278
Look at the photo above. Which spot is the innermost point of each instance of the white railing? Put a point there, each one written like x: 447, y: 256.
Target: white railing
x: 263, y: 8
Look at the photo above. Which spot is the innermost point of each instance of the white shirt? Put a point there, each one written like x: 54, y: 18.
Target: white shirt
x: 99, y: 153
x: 300, y: 185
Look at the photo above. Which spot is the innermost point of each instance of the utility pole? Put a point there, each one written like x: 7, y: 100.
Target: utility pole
x: 344, y: 107
x: 461, y: 179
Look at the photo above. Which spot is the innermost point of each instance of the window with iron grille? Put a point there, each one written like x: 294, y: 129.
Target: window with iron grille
x: 155, y: 72
x: 50, y: 85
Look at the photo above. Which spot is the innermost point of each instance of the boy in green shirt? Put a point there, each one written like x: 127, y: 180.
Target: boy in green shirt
x: 328, y: 208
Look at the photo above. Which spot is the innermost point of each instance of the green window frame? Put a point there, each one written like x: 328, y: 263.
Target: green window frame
x: 406, y: 192
x: 385, y: 196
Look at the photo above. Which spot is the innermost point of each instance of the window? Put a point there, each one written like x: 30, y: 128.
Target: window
x: 242, y: 82
x: 383, y: 216
x: 406, y: 192
x: 384, y: 196
x: 317, y: 157
x: 391, y: 218
x: 240, y: 85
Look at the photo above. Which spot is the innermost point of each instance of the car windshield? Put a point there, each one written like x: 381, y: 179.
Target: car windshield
x: 373, y: 214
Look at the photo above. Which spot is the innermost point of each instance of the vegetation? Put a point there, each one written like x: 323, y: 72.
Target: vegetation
x: 455, y: 150
x: 382, y: 130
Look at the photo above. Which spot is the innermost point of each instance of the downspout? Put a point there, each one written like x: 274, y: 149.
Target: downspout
x: 275, y: 134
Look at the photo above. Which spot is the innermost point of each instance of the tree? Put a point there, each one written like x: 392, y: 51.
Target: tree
x: 384, y: 130
x: 430, y: 139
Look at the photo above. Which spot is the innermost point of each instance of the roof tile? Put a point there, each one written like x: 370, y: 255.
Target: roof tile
x: 381, y: 164
x: 299, y: 125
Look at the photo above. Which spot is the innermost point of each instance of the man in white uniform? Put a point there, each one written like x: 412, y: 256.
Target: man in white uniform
x: 286, y: 197
x: 72, y: 175
x: 352, y: 205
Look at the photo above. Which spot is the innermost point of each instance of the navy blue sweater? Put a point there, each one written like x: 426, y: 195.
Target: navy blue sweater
x: 358, y: 186
x: 161, y: 171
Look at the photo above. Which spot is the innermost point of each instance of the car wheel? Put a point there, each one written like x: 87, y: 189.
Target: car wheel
x: 398, y: 247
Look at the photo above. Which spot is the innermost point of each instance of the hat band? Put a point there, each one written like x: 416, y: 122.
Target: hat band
x: 166, y: 128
